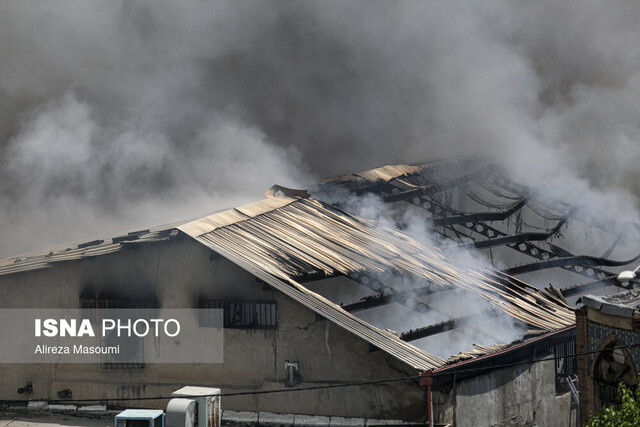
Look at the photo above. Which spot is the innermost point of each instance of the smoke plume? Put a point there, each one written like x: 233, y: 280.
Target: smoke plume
x: 122, y: 114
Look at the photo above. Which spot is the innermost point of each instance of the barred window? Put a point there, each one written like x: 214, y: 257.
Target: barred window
x: 565, y: 364
x: 132, y: 356
x: 244, y: 315
x: 88, y: 303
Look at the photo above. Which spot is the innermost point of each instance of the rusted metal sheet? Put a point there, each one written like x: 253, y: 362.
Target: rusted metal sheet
x: 214, y: 413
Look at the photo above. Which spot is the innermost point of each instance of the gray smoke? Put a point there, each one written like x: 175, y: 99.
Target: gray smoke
x: 122, y: 114
x: 476, y: 320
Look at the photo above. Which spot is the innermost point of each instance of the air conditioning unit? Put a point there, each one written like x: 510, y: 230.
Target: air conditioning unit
x: 181, y: 413
x: 140, y: 418
x: 207, y: 406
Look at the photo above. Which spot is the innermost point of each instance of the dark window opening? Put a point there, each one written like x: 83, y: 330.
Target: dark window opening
x: 243, y: 315
x: 89, y: 302
x: 131, y: 354
x: 566, y: 366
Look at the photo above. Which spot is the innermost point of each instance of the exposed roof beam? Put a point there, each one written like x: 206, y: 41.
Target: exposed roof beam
x: 480, y: 227
x: 482, y: 216
x: 507, y: 240
x: 446, y: 325
x: 430, y: 189
x: 520, y: 238
x: 523, y: 247
x: 386, y: 291
x: 583, y: 288
x: 585, y: 215
x: 411, y: 301
x: 312, y: 276
x: 577, y: 263
x: 397, y: 296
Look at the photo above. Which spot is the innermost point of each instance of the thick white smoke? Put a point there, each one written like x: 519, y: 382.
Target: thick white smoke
x: 477, y: 322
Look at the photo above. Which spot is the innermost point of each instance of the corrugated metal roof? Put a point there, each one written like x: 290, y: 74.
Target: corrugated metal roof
x: 484, y: 352
x: 73, y: 251
x: 283, y: 238
x: 384, y: 173
x: 302, y: 236
x: 382, y: 339
x: 400, y: 172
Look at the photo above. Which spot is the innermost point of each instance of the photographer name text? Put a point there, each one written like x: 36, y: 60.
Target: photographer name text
x: 76, y: 349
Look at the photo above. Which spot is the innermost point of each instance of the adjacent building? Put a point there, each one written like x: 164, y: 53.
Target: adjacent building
x: 608, y: 341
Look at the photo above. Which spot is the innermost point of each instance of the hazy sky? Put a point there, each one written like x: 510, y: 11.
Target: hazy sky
x: 128, y: 113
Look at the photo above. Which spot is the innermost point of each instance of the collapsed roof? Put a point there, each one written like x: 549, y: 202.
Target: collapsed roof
x: 292, y: 239
x: 473, y: 203
x: 285, y: 240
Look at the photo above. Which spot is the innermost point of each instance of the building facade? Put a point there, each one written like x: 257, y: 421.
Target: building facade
x: 521, y: 384
x: 180, y: 273
x: 608, y: 333
x: 257, y: 258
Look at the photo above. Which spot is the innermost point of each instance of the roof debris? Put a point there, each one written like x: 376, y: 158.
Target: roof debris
x: 290, y: 238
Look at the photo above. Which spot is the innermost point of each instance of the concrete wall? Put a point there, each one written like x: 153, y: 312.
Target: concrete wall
x: 177, y: 273
x: 516, y: 396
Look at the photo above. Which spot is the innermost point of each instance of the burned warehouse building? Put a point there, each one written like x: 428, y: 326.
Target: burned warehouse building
x: 318, y: 213
x: 448, y: 274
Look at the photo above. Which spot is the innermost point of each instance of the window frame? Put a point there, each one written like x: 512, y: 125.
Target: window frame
x: 105, y: 303
x: 248, y: 314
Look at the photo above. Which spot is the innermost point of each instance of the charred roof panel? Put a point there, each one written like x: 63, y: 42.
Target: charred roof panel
x: 301, y: 236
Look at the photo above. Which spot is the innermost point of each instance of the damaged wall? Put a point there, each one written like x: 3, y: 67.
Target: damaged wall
x: 523, y: 395
x: 178, y: 273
